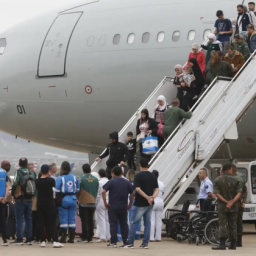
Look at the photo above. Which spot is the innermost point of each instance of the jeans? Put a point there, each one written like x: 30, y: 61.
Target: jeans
x: 137, y: 214
x: 224, y: 47
x: 23, y: 210
x: 3, y: 226
x: 115, y: 214
x: 86, y: 215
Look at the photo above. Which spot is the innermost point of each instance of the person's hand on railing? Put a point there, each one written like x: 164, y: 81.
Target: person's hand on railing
x: 97, y: 159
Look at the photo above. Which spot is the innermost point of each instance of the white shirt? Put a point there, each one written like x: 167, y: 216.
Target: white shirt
x: 161, y: 191
x: 205, y: 188
x: 102, y: 182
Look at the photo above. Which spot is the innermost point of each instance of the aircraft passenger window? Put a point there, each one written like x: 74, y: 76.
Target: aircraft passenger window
x: 2, y: 45
x: 191, y: 35
x: 116, y: 39
x: 176, y: 36
x: 145, y: 37
x: 90, y: 41
x: 160, y: 37
x: 130, y: 38
x: 206, y: 33
x: 102, y: 40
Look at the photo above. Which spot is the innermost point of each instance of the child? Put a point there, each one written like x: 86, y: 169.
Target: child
x: 188, y: 82
x: 131, y: 145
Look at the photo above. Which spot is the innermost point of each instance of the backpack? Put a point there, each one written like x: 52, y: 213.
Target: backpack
x: 28, y: 185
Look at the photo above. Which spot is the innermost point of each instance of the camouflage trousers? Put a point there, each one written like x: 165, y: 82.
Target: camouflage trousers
x: 227, y: 225
x: 240, y: 221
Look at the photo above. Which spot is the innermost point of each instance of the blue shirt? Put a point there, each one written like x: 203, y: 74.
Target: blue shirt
x: 3, y: 180
x: 119, y: 189
x: 67, y: 184
x: 205, y: 188
x: 223, y: 26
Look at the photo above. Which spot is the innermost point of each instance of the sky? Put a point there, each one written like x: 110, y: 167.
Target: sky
x: 13, y: 12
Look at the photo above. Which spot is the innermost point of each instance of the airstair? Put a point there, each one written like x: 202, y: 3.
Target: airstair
x: 194, y: 141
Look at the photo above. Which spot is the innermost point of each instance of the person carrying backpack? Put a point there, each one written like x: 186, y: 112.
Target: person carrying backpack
x: 23, y: 190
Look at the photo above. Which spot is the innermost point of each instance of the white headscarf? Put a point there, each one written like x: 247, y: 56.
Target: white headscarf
x: 212, y: 36
x: 163, y: 99
x: 195, y: 46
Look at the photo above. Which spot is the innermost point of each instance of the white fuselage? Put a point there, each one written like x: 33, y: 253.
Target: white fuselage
x: 103, y: 83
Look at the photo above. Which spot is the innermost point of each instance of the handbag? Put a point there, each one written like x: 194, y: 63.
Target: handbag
x: 149, y: 145
x: 160, y: 126
x: 141, y: 136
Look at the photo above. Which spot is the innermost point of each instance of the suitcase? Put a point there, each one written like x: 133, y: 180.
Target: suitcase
x: 78, y: 223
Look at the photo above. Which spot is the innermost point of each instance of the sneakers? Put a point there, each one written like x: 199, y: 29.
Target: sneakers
x: 101, y: 241
x: 57, y: 245
x: 43, y: 244
x: 112, y: 245
x: 5, y: 243
x: 128, y: 246
x: 143, y: 246
x: 35, y: 242
x: 81, y: 241
x: 28, y: 242
x: 19, y: 243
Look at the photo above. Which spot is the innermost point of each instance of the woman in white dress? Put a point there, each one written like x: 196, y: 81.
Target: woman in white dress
x: 102, y: 211
x: 156, y: 217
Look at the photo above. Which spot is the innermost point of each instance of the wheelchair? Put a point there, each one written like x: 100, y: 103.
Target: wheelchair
x: 195, y: 226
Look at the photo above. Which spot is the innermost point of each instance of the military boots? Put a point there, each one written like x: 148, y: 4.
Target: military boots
x: 221, y: 246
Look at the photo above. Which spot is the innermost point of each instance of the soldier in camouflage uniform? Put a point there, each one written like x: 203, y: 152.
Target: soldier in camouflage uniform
x: 240, y: 207
x: 228, y: 191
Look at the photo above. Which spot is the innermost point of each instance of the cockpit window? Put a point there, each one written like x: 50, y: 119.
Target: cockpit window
x: 3, y: 44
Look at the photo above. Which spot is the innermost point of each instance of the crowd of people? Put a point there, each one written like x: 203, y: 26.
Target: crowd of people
x: 46, y: 206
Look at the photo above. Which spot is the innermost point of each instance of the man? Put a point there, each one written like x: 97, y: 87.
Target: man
x: 119, y: 189
x: 234, y: 58
x: 206, y: 191
x: 23, y: 190
x: 118, y: 153
x: 31, y: 166
x: 243, y: 19
x: 240, y: 207
x: 173, y: 116
x: 87, y: 203
x: 53, y: 170
x: 251, y: 38
x: 223, y: 28
x: 241, y: 46
x: 146, y: 186
x: 4, y: 191
x: 228, y: 191
x: 251, y: 6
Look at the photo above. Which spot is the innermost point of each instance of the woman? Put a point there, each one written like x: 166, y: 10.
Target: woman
x: 199, y: 82
x: 130, y: 176
x: 217, y: 67
x: 66, y: 189
x: 178, y: 79
x: 46, y: 209
x: 213, y: 45
x: 199, y: 56
x: 159, y: 117
x: 156, y: 217
x: 146, y: 126
x: 102, y: 211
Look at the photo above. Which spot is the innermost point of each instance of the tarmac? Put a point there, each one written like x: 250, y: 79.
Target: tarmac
x: 167, y: 247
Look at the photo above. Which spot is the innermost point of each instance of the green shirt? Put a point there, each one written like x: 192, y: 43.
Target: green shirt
x: 227, y: 186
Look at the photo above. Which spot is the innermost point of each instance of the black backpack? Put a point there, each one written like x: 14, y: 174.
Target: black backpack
x: 28, y: 186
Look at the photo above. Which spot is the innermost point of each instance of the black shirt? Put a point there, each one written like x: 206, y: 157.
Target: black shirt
x: 44, y: 188
x: 119, y: 189
x: 147, y: 182
x: 131, y: 145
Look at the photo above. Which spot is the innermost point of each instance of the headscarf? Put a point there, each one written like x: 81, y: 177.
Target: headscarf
x: 178, y: 66
x: 197, y: 70
x: 212, y: 36
x: 195, y: 46
x: 163, y: 99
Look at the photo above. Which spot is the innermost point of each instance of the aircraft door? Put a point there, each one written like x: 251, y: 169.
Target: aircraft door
x: 52, y: 58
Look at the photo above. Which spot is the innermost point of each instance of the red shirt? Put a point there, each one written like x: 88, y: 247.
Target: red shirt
x: 200, y: 59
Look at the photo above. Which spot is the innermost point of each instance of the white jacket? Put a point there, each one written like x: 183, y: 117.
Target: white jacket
x: 102, y: 182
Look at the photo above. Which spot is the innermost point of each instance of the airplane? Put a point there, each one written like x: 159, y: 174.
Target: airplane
x: 71, y: 77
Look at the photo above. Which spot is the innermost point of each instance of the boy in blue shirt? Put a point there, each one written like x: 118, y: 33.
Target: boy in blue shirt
x: 223, y: 28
